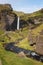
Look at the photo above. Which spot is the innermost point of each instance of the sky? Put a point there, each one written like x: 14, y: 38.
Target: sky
x: 27, y: 6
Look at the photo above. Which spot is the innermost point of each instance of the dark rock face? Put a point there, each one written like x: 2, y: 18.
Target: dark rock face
x: 23, y: 23
x: 8, y: 19
x: 5, y: 7
x: 14, y: 24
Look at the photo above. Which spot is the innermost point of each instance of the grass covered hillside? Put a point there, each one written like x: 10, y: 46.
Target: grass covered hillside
x: 10, y: 58
x: 19, y: 13
x: 9, y: 33
x: 34, y: 15
x: 38, y: 13
x: 25, y: 43
x: 9, y: 17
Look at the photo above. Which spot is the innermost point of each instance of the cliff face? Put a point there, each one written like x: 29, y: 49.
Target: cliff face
x: 8, y: 19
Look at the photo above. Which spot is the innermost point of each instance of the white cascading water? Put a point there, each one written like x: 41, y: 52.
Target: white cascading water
x: 18, y: 23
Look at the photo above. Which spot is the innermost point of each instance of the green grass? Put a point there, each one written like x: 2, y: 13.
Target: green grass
x: 1, y: 32
x: 37, y: 30
x: 25, y: 44
x: 34, y: 15
x: 14, y: 35
x: 10, y: 58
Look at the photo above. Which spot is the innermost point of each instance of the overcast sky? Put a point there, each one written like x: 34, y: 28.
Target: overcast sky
x: 26, y: 6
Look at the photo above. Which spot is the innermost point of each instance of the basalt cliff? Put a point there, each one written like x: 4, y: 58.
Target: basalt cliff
x: 8, y: 18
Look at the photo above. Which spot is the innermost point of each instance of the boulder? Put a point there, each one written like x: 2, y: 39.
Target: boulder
x: 21, y: 54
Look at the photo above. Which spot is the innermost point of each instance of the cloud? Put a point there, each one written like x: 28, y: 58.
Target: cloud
x: 22, y: 5
x: 29, y: 9
x: 2, y: 1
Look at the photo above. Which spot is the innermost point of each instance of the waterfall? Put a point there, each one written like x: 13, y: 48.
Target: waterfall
x: 18, y: 23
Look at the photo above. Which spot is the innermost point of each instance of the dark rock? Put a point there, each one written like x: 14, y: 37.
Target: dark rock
x: 41, y: 58
x: 34, y: 55
x: 8, y: 19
